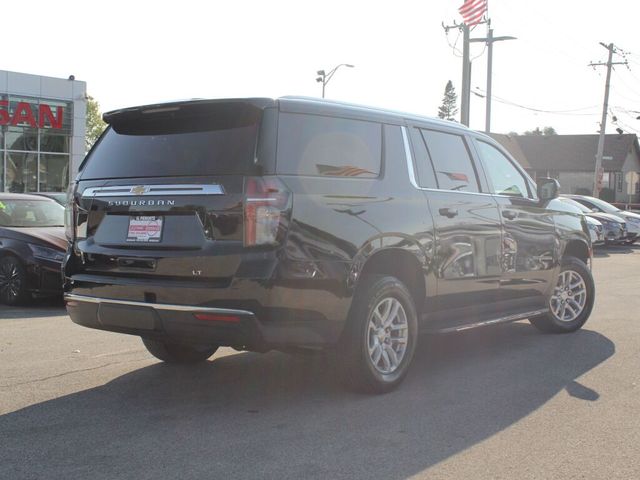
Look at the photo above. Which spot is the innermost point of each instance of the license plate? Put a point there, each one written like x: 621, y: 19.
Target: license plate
x: 145, y: 229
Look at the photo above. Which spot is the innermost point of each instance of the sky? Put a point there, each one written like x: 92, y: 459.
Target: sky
x: 140, y: 52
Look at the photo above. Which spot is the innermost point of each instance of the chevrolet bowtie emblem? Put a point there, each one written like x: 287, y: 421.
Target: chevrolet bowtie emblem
x: 139, y: 189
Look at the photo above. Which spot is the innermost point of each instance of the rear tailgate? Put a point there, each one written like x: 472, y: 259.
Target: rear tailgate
x: 151, y: 228
x: 161, y: 194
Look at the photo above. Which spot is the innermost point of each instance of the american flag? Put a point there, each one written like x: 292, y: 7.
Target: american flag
x: 472, y: 11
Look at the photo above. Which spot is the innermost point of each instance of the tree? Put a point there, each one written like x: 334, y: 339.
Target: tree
x: 95, y: 124
x: 546, y: 131
x: 448, y: 109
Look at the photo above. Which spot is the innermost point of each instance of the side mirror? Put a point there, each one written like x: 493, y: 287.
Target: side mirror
x: 548, y: 189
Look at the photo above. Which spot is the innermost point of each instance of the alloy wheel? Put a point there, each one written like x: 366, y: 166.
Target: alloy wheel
x: 10, y: 281
x: 387, y: 335
x: 569, y: 296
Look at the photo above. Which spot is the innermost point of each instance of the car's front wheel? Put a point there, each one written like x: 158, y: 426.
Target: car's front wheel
x: 13, y: 281
x: 381, y: 335
x: 572, y: 299
x: 178, y: 353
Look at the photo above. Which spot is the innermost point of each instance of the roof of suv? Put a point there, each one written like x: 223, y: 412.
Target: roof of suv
x: 293, y: 104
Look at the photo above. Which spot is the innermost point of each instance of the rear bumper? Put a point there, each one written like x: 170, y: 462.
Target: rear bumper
x: 178, y: 323
x: 245, y: 314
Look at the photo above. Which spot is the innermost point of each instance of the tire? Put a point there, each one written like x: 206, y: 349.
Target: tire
x: 178, y: 353
x: 578, y: 301
x: 366, y: 337
x: 13, y: 281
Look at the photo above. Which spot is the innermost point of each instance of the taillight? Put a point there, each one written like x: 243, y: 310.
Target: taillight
x: 266, y: 204
x: 70, y: 212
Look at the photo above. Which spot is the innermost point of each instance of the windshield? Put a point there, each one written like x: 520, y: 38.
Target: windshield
x: 31, y: 213
x: 602, y: 205
x: 578, y: 205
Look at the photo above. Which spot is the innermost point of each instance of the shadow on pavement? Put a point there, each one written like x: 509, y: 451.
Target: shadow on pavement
x: 38, y: 307
x: 607, y: 251
x: 277, y: 416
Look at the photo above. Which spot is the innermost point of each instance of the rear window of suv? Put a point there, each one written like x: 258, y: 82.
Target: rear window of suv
x: 218, y: 143
x: 328, y: 146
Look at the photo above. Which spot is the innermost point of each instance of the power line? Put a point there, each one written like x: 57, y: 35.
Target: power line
x: 540, y: 110
x: 621, y: 79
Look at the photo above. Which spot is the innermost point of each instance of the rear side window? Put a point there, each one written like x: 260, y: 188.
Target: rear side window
x: 451, y: 161
x: 175, y: 146
x: 328, y: 146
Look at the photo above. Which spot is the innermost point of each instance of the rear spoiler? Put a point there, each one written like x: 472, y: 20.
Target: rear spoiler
x: 196, y: 107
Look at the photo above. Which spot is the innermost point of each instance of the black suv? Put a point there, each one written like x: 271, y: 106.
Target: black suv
x: 300, y: 223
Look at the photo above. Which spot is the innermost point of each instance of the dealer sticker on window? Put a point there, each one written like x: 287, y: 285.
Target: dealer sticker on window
x: 145, y: 229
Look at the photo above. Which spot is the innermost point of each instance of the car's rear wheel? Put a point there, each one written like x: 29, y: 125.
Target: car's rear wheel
x: 572, y: 299
x: 381, y: 335
x: 178, y: 353
x: 13, y: 281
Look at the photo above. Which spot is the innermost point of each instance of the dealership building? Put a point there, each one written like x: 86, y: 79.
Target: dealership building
x: 42, y: 131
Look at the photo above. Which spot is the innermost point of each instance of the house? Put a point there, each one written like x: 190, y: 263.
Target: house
x: 571, y: 159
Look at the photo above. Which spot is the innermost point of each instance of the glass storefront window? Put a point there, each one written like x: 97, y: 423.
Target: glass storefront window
x: 24, y: 139
x: 22, y: 172
x: 54, y: 172
x: 35, y: 153
x: 50, y: 142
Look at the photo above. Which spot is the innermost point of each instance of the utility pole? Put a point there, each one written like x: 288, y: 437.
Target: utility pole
x: 490, y: 40
x: 465, y: 94
x: 599, y: 171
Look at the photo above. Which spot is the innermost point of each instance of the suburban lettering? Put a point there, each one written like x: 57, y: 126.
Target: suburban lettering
x: 141, y: 203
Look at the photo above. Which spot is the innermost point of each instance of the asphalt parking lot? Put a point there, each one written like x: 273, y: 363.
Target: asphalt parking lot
x: 503, y: 402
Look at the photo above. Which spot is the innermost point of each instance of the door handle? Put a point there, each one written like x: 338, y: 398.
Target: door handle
x: 510, y: 214
x: 448, y: 212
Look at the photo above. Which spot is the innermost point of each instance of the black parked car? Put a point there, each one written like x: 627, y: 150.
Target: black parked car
x: 299, y: 223
x: 32, y: 247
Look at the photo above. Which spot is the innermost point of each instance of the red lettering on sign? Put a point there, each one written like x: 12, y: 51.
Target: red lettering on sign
x: 44, y: 112
x: 23, y: 114
x: 4, y: 114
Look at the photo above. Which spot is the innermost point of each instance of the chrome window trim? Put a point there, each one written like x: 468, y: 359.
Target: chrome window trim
x: 127, y: 190
x: 410, y: 165
x: 71, y: 297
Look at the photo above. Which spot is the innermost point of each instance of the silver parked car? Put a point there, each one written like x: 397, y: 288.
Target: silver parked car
x: 631, y: 219
x: 614, y: 230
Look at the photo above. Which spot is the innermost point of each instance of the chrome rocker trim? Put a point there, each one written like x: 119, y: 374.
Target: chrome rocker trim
x: 508, y: 319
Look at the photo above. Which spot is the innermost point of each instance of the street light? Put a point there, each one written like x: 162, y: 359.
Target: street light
x: 325, y: 77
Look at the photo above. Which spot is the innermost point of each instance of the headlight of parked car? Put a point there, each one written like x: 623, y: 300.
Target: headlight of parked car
x: 46, y: 253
